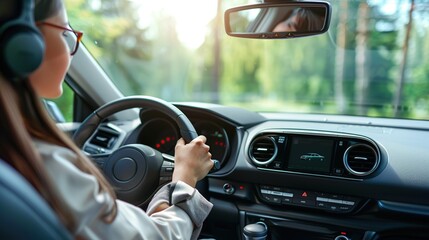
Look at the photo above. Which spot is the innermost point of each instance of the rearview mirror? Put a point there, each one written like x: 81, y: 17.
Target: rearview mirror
x: 278, y: 20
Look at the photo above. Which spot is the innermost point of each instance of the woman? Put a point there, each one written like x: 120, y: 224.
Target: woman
x: 70, y: 183
x: 300, y: 20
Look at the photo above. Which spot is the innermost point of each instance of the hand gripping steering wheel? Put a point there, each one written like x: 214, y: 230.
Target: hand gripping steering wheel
x: 134, y: 170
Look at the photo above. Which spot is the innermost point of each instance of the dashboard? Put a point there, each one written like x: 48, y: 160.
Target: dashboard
x: 303, y: 176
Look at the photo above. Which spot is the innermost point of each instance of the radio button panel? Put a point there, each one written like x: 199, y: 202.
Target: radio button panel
x: 293, y: 197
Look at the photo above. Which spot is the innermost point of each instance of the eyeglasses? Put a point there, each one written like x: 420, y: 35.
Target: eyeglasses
x: 72, y: 37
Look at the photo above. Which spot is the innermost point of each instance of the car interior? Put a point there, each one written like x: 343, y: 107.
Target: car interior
x: 278, y: 174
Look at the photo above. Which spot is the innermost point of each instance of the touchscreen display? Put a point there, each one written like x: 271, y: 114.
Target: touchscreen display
x: 310, y: 154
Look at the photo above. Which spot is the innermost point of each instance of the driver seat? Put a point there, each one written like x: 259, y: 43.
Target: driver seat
x: 24, y: 214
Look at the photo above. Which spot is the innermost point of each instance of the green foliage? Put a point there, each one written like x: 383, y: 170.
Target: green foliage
x: 269, y: 75
x: 65, y: 103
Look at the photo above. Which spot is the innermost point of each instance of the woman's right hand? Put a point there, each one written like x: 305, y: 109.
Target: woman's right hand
x: 192, y: 161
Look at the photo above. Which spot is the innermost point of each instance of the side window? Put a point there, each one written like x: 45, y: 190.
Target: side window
x: 65, y: 103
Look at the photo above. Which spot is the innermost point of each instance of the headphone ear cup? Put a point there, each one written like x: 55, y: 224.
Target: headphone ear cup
x: 22, y: 46
x: 23, y: 50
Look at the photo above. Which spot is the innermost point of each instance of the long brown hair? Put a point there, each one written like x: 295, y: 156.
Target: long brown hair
x: 23, y: 119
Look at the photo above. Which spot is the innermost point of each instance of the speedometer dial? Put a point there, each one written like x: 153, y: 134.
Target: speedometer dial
x: 160, y: 135
x: 217, y: 139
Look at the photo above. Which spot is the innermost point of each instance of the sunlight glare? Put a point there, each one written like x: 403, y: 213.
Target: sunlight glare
x: 192, y: 17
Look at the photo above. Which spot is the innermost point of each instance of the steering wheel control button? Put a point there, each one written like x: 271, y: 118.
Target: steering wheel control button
x: 99, y: 160
x: 166, y: 172
x: 124, y: 169
x: 228, y: 188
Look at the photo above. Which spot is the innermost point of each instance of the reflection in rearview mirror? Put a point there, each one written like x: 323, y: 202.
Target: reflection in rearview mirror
x: 281, y: 20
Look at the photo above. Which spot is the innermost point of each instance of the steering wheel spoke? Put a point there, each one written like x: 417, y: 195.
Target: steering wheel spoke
x: 167, y: 168
x: 99, y: 159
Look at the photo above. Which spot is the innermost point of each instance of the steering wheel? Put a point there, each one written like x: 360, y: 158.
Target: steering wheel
x: 136, y: 170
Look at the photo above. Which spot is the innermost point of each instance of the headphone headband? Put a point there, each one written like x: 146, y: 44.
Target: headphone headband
x: 21, y: 43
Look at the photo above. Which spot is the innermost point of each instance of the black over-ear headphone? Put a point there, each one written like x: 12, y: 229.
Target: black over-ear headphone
x: 21, y: 43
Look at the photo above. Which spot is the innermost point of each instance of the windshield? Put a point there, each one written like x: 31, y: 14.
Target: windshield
x: 373, y: 61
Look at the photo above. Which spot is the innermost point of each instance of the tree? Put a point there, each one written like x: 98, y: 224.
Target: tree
x: 362, y: 60
x: 403, y: 63
x: 217, y: 52
x: 340, y: 57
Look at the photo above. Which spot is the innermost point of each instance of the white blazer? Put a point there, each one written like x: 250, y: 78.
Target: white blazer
x: 80, y: 192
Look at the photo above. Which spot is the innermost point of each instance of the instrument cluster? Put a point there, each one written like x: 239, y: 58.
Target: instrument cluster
x: 162, y: 134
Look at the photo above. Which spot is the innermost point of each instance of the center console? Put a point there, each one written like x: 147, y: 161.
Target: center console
x: 325, y: 154
x: 288, y: 210
x: 287, y: 228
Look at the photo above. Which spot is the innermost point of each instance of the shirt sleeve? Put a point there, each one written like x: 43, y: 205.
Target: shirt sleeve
x: 186, y: 198
x: 80, y: 192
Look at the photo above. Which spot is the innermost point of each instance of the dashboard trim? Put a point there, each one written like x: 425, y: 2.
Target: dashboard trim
x: 405, y: 208
x: 310, y: 174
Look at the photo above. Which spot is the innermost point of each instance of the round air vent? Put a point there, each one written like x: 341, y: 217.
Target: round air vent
x: 361, y: 159
x: 263, y: 150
